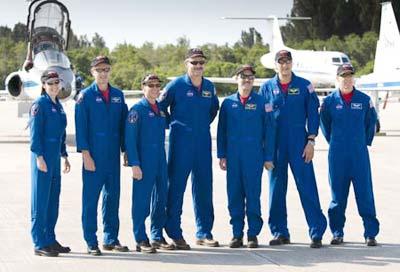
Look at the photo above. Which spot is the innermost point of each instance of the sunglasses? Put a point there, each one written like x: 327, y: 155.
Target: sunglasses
x: 102, y: 70
x: 284, y: 61
x: 52, y: 83
x: 195, y: 62
x: 249, y: 77
x: 154, y: 85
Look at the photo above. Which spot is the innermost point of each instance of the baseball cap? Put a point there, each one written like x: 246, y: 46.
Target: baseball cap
x: 345, y: 69
x: 149, y: 77
x: 49, y: 76
x: 195, y: 52
x: 245, y: 67
x: 99, y: 60
x: 283, y: 54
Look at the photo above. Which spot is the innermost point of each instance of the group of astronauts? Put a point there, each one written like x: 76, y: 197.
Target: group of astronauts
x: 273, y: 128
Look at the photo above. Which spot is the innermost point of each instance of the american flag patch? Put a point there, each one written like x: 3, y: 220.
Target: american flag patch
x: 34, y: 109
x: 310, y: 88
x: 133, y: 116
x: 371, y: 104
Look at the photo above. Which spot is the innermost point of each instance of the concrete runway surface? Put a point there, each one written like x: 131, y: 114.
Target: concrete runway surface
x: 16, y: 250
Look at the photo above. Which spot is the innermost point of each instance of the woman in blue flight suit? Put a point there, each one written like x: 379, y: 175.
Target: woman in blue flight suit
x: 145, y: 147
x: 47, y: 124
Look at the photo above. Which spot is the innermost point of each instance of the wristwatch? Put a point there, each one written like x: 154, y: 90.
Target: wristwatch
x: 311, y: 142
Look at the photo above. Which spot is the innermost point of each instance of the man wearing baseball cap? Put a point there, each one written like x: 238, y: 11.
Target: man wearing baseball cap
x: 245, y: 142
x: 145, y: 147
x: 348, y: 120
x: 193, y: 104
x: 100, y: 114
x: 295, y: 106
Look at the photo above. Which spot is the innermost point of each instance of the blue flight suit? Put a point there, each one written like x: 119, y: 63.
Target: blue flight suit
x: 100, y: 130
x: 47, y: 124
x: 191, y: 113
x: 245, y: 139
x: 145, y: 147
x: 349, y: 128
x: 296, y: 114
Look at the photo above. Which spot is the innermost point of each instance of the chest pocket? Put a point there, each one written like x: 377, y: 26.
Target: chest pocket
x: 277, y: 101
x: 55, y: 122
x: 205, y: 98
x: 357, y: 111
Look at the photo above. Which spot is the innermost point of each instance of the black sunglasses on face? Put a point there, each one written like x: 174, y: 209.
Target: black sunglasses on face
x: 284, y: 61
x: 157, y: 85
x: 249, y: 77
x: 52, y: 83
x: 195, y: 62
x: 100, y: 70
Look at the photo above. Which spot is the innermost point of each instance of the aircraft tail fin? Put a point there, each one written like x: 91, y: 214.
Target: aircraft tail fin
x: 274, y: 35
x: 387, y: 56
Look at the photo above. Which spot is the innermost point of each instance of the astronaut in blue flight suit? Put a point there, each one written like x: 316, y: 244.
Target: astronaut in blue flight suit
x: 47, y: 125
x: 100, y: 114
x: 348, y: 119
x: 245, y: 142
x: 193, y: 105
x: 295, y: 106
x: 145, y: 148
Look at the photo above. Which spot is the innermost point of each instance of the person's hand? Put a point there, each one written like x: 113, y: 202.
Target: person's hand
x: 268, y: 165
x: 136, y: 173
x: 125, y: 155
x: 67, y: 166
x: 88, y: 162
x: 41, y: 164
x: 308, y: 153
x: 222, y: 164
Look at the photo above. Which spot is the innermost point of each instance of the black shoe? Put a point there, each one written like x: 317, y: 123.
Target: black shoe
x: 371, y: 242
x: 94, y: 251
x: 336, y: 240
x: 116, y: 247
x: 46, y: 251
x: 59, y: 248
x: 279, y: 240
x: 162, y: 244
x: 236, y: 242
x: 181, y: 244
x: 145, y: 247
x: 252, y: 242
x: 207, y: 242
x: 316, y: 243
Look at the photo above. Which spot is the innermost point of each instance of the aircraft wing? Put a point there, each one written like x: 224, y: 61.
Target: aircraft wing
x: 230, y: 80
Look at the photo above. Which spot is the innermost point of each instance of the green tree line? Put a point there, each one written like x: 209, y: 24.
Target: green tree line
x: 131, y: 62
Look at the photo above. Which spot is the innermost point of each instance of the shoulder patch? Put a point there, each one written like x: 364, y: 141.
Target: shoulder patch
x: 34, y: 109
x: 163, y: 95
x: 79, y: 99
x: 133, y: 116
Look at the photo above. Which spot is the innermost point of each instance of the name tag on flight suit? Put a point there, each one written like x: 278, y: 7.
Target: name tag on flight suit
x: 356, y: 106
x: 250, y: 107
x: 206, y: 94
x: 293, y: 91
x: 116, y: 99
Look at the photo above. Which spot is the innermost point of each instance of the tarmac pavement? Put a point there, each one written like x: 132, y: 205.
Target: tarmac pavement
x: 16, y: 249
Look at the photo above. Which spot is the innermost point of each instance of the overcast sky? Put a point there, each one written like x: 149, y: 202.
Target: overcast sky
x: 157, y: 21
